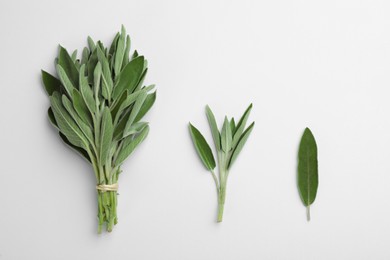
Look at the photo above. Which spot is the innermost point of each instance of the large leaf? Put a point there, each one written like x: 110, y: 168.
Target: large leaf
x: 66, y: 124
x: 129, y: 77
x: 106, y: 133
x: 202, y: 147
x: 226, y: 136
x: 240, y: 144
x: 51, y: 83
x: 66, y: 62
x: 241, y: 125
x: 129, y: 145
x: 307, y: 169
x: 214, y: 128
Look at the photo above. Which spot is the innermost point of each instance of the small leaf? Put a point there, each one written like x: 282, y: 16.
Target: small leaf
x: 307, y: 169
x: 120, y: 51
x: 202, y: 147
x: 106, y: 133
x: 232, y: 125
x: 96, y: 79
x: 240, y: 144
x: 241, y: 125
x: 127, y: 52
x: 129, y: 145
x: 91, y: 64
x: 85, y: 56
x: 91, y: 44
x: 136, y: 108
x: 135, y: 128
x: 107, y: 84
x: 214, y: 128
x: 74, y: 56
x: 226, y: 136
x: 51, y: 83
x: 129, y: 76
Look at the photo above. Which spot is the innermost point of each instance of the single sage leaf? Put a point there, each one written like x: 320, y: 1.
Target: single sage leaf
x: 240, y: 144
x: 51, y: 83
x: 202, y: 147
x: 66, y: 82
x: 129, y: 145
x: 226, y: 136
x: 81, y: 108
x: 241, y: 125
x: 214, y: 128
x: 106, y: 133
x: 148, y: 103
x: 307, y: 169
x: 86, y: 92
x: 66, y: 62
x: 129, y: 76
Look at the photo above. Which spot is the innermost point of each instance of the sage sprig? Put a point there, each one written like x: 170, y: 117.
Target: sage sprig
x: 228, y: 144
x: 307, y: 170
x: 97, y: 103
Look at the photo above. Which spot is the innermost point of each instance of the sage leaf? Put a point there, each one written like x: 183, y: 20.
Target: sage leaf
x: 136, y: 108
x: 148, y: 103
x: 240, y: 144
x: 106, y: 133
x: 130, y: 144
x: 214, y: 128
x: 226, y: 136
x: 68, y: 66
x: 81, y: 108
x: 241, y: 125
x: 86, y: 92
x: 65, y: 80
x: 120, y: 51
x: 129, y: 76
x: 202, y: 147
x: 307, y: 170
x: 50, y: 82
x: 81, y: 151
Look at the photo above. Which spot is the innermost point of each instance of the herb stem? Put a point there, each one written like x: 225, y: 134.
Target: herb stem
x: 308, y: 213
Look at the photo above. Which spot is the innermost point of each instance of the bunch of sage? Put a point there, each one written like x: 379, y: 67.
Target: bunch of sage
x: 228, y: 144
x: 97, y: 103
x: 307, y: 170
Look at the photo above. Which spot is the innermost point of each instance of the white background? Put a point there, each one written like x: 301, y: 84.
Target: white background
x: 322, y: 64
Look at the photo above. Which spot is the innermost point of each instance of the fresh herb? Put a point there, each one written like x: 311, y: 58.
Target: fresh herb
x: 307, y: 170
x: 228, y: 144
x: 97, y: 103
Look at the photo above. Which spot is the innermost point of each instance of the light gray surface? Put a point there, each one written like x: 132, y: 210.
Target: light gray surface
x: 322, y: 64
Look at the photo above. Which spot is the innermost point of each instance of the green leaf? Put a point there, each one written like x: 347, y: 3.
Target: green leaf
x: 113, y: 46
x: 136, y: 108
x: 307, y: 169
x: 129, y: 145
x: 241, y: 125
x: 141, y: 80
x: 50, y: 82
x: 135, y: 128
x: 96, y: 79
x: 107, y: 83
x: 127, y: 52
x: 74, y: 56
x: 85, y: 56
x: 226, y: 136
x: 66, y: 62
x: 240, y: 144
x: 66, y: 82
x: 83, y: 126
x: 81, y: 151
x: 52, y: 119
x: 202, y: 147
x: 91, y: 44
x: 66, y: 124
x: 214, y: 128
x: 129, y: 77
x: 106, y: 133
x: 91, y: 64
x: 86, y: 92
x: 148, y: 103
x: 81, y: 108
x: 232, y: 125
x: 120, y: 51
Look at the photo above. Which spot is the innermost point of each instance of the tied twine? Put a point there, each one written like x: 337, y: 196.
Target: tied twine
x: 107, y: 187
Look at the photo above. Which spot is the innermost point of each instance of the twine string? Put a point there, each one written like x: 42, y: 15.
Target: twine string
x: 107, y: 187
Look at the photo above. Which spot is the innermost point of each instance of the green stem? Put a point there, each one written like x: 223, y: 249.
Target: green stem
x: 308, y: 213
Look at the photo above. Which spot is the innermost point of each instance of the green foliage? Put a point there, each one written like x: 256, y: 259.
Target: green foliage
x: 97, y: 104
x: 307, y: 170
x: 228, y: 143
